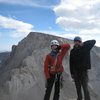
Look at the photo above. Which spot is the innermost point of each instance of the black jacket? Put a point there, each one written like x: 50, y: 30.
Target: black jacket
x: 80, y: 57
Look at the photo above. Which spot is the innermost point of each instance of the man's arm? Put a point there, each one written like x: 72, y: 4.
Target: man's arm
x: 46, y: 69
x: 89, y: 44
x: 71, y: 64
x: 64, y: 50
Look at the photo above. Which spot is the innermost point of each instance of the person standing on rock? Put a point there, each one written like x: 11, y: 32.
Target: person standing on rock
x: 53, y: 68
x: 80, y: 64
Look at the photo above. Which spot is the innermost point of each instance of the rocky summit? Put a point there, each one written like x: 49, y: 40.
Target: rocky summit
x: 22, y: 76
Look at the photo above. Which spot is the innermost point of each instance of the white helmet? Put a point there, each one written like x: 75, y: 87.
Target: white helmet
x: 54, y: 42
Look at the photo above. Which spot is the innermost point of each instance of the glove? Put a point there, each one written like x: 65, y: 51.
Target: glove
x: 59, y: 47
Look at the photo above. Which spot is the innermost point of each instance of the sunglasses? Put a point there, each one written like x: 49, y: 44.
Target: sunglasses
x: 77, y: 41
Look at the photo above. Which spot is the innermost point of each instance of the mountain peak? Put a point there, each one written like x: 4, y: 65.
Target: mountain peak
x: 22, y: 75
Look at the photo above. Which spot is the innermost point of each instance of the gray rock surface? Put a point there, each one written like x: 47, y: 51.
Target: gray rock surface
x: 22, y: 77
x: 4, y: 56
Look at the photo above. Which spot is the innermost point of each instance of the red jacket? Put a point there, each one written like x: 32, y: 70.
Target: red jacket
x: 50, y: 60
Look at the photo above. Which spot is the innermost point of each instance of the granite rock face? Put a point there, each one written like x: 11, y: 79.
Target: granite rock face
x: 22, y: 77
x: 4, y: 56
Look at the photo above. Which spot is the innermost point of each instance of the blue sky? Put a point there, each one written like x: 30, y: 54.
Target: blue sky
x: 57, y: 17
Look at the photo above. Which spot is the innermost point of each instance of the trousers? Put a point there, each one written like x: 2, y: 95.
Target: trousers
x: 50, y: 82
x: 81, y: 81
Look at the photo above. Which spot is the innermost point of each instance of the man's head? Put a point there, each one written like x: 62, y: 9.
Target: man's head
x: 54, y: 45
x: 77, y: 41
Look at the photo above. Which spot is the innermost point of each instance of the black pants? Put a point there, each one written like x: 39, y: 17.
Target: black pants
x: 81, y: 81
x: 50, y: 82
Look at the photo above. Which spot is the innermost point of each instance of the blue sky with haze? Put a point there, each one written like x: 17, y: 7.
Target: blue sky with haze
x: 57, y: 17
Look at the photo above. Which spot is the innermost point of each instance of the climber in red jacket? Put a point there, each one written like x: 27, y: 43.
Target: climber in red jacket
x: 53, y: 68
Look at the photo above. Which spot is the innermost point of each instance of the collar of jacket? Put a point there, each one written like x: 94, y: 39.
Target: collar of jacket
x: 77, y: 47
x: 53, y: 54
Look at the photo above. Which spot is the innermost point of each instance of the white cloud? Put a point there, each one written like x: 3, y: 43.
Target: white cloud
x: 33, y: 3
x: 83, y: 16
x: 71, y: 36
x: 18, y: 28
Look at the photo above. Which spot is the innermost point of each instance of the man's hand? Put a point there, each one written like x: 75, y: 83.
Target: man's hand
x: 72, y: 76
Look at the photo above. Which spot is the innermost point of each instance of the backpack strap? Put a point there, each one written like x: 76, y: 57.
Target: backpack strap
x: 55, y: 62
x: 53, y: 67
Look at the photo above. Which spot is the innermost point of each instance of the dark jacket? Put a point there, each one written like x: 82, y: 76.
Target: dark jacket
x: 80, y: 57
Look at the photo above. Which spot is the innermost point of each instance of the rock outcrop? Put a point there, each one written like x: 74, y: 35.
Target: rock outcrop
x: 22, y: 77
x: 3, y: 57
